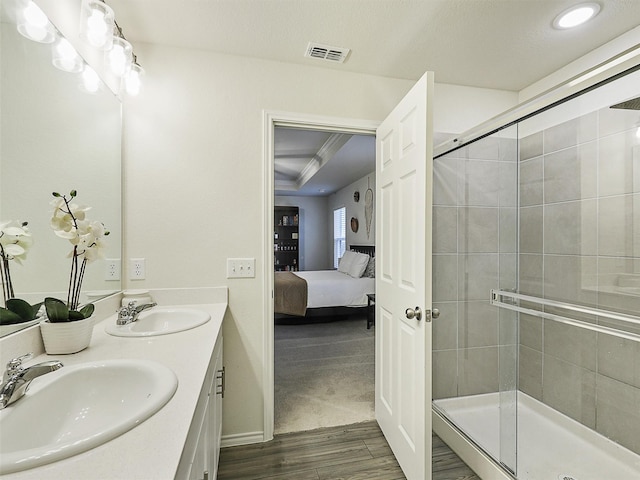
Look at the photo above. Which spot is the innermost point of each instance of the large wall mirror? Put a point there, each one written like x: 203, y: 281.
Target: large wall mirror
x: 55, y: 137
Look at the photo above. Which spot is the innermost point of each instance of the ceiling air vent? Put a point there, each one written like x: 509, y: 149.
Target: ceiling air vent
x: 325, y: 52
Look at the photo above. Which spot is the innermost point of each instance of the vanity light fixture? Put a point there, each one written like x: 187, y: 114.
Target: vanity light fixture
x: 576, y: 15
x: 90, y: 79
x: 97, y: 22
x: 132, y: 81
x: 99, y: 29
x: 65, y: 56
x: 120, y: 57
x: 34, y: 24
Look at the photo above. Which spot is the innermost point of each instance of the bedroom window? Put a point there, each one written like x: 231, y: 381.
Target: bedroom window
x: 339, y: 234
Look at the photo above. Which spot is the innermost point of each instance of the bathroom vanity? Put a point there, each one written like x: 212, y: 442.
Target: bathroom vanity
x: 181, y: 440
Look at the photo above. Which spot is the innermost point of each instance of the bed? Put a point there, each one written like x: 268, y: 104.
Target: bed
x: 322, y: 293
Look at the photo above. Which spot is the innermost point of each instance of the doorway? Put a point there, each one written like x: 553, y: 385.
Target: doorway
x: 340, y: 129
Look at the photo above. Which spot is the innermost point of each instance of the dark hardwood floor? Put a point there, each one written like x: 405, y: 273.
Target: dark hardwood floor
x: 356, y: 452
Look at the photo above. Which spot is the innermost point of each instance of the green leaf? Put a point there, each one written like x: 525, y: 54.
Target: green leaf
x: 74, y: 315
x: 73, y: 193
x: 87, y: 310
x: 57, y: 310
x: 7, y: 317
x: 56, y: 194
x: 21, y: 308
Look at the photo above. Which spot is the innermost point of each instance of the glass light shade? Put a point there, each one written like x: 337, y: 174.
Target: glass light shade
x: 65, y: 57
x: 133, y: 80
x: 576, y: 15
x: 90, y: 80
x: 120, y: 57
x: 97, y: 22
x: 34, y: 24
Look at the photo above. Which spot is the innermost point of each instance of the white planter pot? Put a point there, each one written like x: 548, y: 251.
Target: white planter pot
x: 66, y: 337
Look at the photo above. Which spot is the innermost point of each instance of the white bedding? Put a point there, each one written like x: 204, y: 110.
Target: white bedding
x: 330, y: 288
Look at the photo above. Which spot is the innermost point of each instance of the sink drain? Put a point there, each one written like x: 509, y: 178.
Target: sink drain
x: 563, y: 476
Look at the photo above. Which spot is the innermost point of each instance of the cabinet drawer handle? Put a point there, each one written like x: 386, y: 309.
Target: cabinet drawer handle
x: 221, y: 386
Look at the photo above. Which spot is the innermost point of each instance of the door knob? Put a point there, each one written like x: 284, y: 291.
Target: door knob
x: 413, y: 313
x: 435, y: 313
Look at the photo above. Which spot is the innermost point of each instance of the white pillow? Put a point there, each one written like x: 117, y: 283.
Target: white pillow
x: 353, y: 263
x: 345, y: 262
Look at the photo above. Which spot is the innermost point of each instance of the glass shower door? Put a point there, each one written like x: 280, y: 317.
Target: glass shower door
x: 475, y: 250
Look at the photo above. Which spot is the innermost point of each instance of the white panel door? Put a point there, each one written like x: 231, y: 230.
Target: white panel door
x: 403, y: 279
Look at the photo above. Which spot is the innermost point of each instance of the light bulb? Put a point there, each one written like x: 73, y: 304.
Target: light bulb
x: 35, y: 16
x: 133, y: 81
x: 65, y: 57
x: 97, y: 23
x: 120, y: 56
x: 90, y: 79
x: 97, y: 29
x: 34, y: 24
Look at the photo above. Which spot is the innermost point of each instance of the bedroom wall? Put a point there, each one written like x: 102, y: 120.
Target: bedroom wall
x: 344, y: 198
x: 313, y: 227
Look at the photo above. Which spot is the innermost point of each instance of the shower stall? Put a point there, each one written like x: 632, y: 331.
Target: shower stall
x: 536, y: 273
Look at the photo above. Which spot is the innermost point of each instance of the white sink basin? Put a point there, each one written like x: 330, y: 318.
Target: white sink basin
x: 159, y: 321
x: 80, y: 407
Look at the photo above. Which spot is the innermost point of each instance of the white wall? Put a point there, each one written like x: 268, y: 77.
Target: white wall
x: 193, y: 175
x: 344, y: 198
x: 193, y: 181
x: 313, y: 247
x: 457, y: 108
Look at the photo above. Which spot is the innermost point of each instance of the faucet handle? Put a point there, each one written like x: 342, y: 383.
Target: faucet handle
x: 15, y: 364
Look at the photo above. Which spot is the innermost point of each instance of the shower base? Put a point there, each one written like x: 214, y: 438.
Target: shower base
x: 550, y: 445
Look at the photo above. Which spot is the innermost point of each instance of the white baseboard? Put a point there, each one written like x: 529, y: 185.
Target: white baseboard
x: 470, y: 454
x: 241, y: 439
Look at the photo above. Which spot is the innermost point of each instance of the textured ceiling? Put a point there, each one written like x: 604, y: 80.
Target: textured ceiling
x: 503, y: 44
x: 295, y: 150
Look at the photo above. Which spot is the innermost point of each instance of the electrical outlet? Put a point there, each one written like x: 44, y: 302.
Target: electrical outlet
x: 136, y: 269
x: 241, y: 267
x: 112, y: 269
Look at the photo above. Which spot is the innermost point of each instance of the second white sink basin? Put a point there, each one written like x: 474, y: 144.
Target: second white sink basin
x: 79, y: 407
x: 159, y: 321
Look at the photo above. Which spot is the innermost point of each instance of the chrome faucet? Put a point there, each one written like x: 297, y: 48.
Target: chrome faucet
x: 16, y: 379
x: 130, y: 313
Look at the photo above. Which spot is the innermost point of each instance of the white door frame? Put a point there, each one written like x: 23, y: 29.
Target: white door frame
x: 271, y: 119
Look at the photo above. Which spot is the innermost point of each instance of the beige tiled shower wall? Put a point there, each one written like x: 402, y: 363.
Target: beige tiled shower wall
x: 474, y: 250
x: 580, y: 243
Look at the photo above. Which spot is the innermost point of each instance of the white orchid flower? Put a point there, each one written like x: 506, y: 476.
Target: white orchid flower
x: 15, y: 239
x: 69, y: 221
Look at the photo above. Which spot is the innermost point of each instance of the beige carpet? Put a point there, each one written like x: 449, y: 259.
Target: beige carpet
x: 324, y: 374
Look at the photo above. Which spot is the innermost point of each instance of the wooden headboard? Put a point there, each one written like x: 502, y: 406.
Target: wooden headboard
x: 368, y: 249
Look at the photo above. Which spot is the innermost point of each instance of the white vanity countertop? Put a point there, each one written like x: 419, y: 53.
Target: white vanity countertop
x: 151, y: 450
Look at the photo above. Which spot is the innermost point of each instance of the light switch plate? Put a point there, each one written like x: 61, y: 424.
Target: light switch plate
x: 241, y: 267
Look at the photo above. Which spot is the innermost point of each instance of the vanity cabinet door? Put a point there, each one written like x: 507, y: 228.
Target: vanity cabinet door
x: 202, y: 449
x: 215, y: 411
x: 200, y: 465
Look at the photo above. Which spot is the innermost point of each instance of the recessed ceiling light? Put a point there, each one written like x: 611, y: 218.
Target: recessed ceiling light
x: 576, y: 15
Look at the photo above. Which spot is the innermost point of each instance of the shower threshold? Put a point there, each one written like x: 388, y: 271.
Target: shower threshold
x: 550, y: 444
